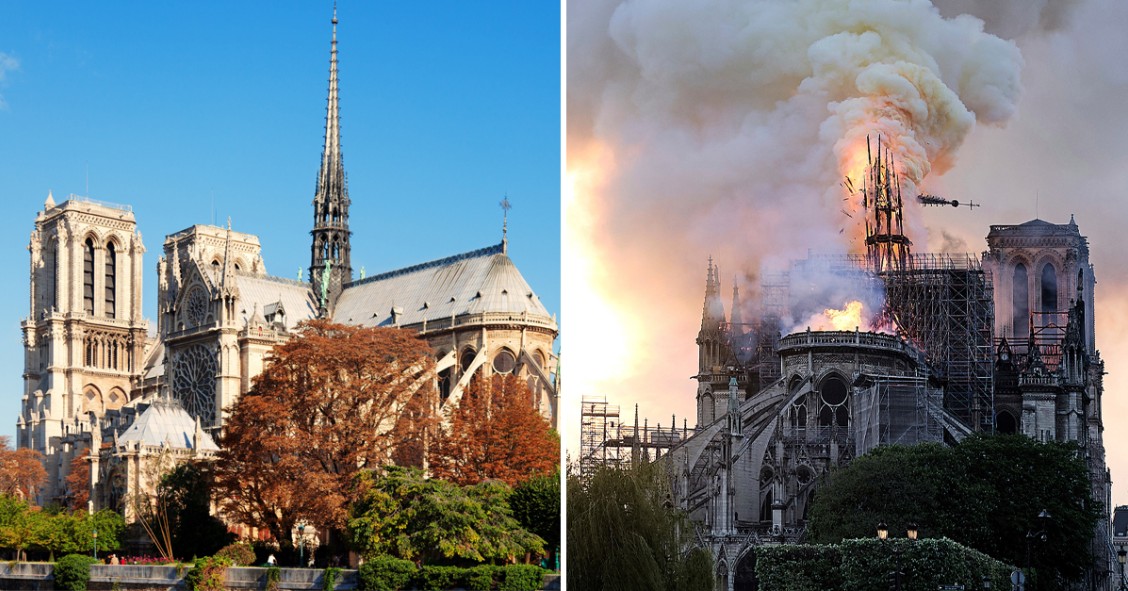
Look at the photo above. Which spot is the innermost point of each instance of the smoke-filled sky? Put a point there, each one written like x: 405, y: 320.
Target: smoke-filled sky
x: 724, y: 128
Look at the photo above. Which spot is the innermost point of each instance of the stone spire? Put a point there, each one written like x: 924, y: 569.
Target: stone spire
x: 737, y: 318
x: 713, y: 315
x: 330, y: 248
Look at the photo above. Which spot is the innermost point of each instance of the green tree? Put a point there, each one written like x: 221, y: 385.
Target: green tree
x: 186, y: 495
x: 623, y: 533
x: 986, y: 493
x: 430, y: 521
x: 536, y: 505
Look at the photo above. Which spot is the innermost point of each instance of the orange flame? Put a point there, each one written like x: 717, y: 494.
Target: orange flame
x: 847, y: 318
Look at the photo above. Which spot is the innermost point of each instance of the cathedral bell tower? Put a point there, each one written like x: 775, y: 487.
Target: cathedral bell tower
x: 330, y: 268
x: 84, y: 337
x: 714, y: 353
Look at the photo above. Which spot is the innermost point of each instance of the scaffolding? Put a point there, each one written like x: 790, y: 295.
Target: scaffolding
x: 943, y: 305
x: 599, y: 424
x: 606, y: 441
x: 894, y: 410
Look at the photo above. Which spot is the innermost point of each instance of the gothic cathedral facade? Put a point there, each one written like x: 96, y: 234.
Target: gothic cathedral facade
x: 99, y: 387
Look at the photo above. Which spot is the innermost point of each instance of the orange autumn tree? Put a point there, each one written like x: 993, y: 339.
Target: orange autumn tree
x: 332, y: 401
x: 495, y: 432
x: 21, y: 470
x: 78, y: 483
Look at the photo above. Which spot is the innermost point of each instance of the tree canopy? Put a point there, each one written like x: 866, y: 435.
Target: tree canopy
x: 24, y: 527
x: 333, y: 401
x: 430, y: 521
x: 986, y: 493
x: 624, y: 533
x: 495, y: 432
x: 536, y: 505
x: 21, y: 470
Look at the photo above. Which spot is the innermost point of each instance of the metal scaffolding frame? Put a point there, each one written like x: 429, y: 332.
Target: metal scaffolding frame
x: 943, y: 305
x: 606, y: 441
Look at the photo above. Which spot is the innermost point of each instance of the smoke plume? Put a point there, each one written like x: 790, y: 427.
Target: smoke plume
x: 726, y: 127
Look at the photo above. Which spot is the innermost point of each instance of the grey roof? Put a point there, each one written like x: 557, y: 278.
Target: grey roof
x: 476, y: 282
x: 166, y: 421
x: 267, y: 292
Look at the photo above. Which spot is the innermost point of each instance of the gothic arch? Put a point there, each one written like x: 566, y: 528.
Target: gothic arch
x: 1020, y: 301
x: 1049, y: 285
x: 744, y: 575
x: 708, y: 410
x: 833, y: 400
x: 504, y: 361
x: 1005, y: 422
x: 92, y: 400
x: 116, y: 398
x: 88, y: 272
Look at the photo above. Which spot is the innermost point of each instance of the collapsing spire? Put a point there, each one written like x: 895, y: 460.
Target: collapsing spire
x: 330, y: 248
x: 887, y: 247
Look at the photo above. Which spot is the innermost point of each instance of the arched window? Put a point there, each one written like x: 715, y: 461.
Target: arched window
x: 504, y: 361
x: 88, y: 277
x: 1005, y: 423
x: 834, y: 408
x: 1049, y: 289
x: 52, y: 265
x: 1020, y: 298
x: 111, y: 281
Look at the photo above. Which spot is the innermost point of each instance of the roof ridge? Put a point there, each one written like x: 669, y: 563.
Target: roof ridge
x: 273, y: 278
x: 487, y: 251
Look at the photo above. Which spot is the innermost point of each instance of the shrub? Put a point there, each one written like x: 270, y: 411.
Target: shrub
x: 329, y: 579
x: 481, y: 578
x: 438, y: 577
x: 385, y: 573
x: 521, y: 577
x: 72, y: 572
x: 209, y: 574
x: 239, y: 553
x: 273, y: 578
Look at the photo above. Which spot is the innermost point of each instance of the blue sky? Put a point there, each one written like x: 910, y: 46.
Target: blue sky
x: 194, y: 112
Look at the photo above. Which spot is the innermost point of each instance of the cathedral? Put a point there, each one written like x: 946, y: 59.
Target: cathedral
x: 101, y: 385
x: 836, y: 355
x: 1000, y: 343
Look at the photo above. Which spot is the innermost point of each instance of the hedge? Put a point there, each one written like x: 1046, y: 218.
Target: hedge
x: 868, y: 564
x: 385, y: 573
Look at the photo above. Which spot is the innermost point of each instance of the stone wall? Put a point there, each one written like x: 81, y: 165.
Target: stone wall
x: 38, y: 576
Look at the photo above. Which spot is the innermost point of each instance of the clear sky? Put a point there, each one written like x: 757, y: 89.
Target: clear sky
x: 713, y: 128
x: 193, y: 112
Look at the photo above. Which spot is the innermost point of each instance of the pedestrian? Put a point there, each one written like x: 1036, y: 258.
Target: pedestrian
x: 270, y: 561
x: 114, y: 560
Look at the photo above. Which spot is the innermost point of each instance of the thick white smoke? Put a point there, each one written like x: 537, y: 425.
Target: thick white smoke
x: 725, y: 127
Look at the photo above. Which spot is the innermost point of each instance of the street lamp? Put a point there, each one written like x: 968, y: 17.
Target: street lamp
x: 1040, y: 535
x: 883, y: 534
x: 95, y: 544
x: 301, y: 545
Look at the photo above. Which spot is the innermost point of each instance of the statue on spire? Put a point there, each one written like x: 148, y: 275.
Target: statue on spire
x: 505, y: 206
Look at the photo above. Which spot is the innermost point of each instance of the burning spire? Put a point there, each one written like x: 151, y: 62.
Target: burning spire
x: 887, y: 247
